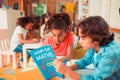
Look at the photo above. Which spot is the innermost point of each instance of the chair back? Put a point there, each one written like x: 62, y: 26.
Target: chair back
x: 4, y: 41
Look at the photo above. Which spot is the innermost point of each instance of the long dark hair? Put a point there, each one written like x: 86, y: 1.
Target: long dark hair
x: 58, y: 21
x: 42, y: 20
x: 22, y: 21
x: 97, y: 28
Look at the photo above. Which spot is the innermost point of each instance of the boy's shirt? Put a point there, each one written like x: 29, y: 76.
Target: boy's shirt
x: 107, y: 61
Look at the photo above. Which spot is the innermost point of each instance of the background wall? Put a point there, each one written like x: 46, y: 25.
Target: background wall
x: 3, y: 19
x: 114, y: 14
x: 8, y: 19
x: 108, y: 9
x: 95, y: 7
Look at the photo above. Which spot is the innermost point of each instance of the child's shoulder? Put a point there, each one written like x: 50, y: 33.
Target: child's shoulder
x: 18, y: 27
x: 112, y: 47
x: 70, y: 33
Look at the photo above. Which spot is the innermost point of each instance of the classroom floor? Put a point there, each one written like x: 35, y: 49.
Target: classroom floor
x: 8, y: 73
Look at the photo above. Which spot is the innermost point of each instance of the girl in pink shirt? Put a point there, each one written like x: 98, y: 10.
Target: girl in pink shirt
x: 61, y: 39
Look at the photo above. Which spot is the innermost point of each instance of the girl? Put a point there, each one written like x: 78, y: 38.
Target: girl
x: 34, y: 33
x: 43, y: 20
x: 61, y: 39
x: 19, y: 35
x: 103, y: 52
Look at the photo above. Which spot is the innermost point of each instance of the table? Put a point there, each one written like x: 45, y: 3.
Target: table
x: 25, y: 48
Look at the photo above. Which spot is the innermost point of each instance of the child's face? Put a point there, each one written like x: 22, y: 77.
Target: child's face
x: 58, y: 35
x: 86, y: 41
x: 29, y: 26
x: 46, y: 19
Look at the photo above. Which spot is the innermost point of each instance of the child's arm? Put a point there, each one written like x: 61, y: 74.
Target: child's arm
x: 23, y: 41
x: 63, y: 69
x: 72, y: 74
x: 74, y: 67
x: 69, y: 52
x: 70, y: 47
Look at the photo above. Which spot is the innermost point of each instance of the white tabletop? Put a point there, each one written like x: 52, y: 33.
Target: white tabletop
x: 25, y: 48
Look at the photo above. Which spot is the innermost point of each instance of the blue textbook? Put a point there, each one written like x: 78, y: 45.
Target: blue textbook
x: 43, y: 57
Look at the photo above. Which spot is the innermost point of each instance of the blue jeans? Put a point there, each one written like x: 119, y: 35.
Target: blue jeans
x: 18, y: 48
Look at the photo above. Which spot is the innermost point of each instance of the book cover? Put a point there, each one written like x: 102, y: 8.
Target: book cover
x: 44, y: 57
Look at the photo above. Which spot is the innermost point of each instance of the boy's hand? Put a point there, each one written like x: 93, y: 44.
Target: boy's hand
x: 60, y: 66
x: 66, y: 71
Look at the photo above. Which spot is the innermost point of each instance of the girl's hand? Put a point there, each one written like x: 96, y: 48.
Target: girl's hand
x: 36, y: 40
x: 61, y: 59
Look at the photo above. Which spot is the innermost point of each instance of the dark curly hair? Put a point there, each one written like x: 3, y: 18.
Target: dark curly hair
x: 42, y: 20
x: 58, y: 21
x: 97, y: 28
x: 23, y: 21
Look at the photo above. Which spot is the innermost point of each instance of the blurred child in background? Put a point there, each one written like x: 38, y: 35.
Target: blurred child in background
x: 43, y: 20
x: 19, y: 36
x: 34, y: 33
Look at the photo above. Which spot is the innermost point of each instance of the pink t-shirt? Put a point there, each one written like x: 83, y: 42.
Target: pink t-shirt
x: 61, y: 49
